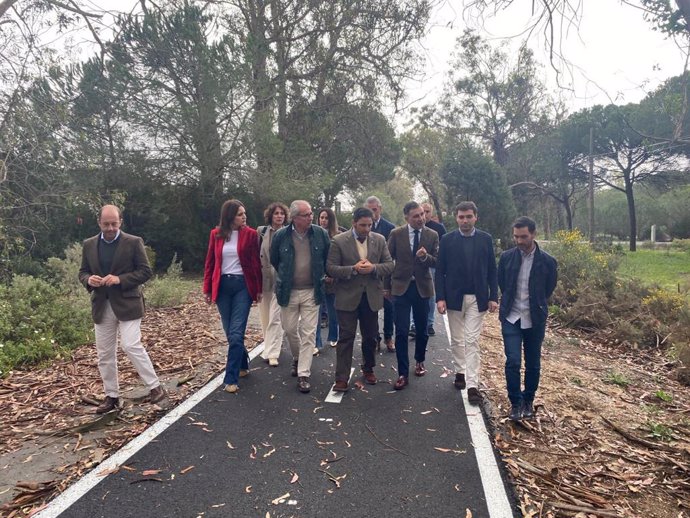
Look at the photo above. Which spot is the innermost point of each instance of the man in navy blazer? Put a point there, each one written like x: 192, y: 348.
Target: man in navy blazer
x: 527, y: 277
x: 383, y: 226
x: 466, y: 287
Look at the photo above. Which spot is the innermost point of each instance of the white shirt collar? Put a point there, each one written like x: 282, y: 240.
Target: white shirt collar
x: 114, y: 239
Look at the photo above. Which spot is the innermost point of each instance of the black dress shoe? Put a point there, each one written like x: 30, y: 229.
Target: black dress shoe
x: 430, y: 331
x: 303, y: 384
x: 516, y: 413
x: 459, y: 382
x: 293, y: 369
x: 109, y: 403
x: 527, y: 410
x: 474, y: 396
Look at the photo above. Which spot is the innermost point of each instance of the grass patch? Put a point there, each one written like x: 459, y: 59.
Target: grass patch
x: 668, y: 268
x: 616, y: 378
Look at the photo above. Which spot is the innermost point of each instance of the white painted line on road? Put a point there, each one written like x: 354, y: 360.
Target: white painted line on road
x: 496, y: 497
x: 91, y: 479
x: 337, y: 397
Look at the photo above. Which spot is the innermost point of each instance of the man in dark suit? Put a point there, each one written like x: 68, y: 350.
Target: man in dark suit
x: 466, y: 288
x: 440, y: 229
x: 527, y: 277
x: 383, y: 226
x: 414, y: 248
x: 358, y: 260
x: 113, y: 268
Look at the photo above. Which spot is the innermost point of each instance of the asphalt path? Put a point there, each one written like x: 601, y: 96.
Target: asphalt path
x: 272, y: 451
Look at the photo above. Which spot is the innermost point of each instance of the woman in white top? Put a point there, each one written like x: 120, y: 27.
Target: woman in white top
x: 232, y: 280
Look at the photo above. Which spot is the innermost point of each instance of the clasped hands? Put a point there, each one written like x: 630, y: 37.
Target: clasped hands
x: 96, y: 281
x: 364, y: 267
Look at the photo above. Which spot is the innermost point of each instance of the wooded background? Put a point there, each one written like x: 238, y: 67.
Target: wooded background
x: 184, y: 104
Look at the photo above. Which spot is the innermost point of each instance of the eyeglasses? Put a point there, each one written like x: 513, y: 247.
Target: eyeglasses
x: 307, y: 215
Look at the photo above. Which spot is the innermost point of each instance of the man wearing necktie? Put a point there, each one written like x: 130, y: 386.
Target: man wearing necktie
x: 414, y: 249
x: 359, y: 260
x: 384, y: 227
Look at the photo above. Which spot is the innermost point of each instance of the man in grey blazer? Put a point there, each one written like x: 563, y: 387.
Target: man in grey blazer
x: 414, y: 248
x: 359, y: 260
x: 113, y: 268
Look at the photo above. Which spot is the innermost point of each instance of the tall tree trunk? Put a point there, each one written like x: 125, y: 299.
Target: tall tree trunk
x: 632, y: 216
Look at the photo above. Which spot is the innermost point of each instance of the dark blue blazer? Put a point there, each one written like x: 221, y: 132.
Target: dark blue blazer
x: 438, y: 227
x: 384, y: 228
x: 450, y: 269
x: 542, y: 282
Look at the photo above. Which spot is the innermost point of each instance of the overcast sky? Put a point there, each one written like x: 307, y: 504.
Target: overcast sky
x: 614, y: 55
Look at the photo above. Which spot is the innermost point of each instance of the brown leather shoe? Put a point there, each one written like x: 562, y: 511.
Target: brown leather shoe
x: 459, y: 382
x: 340, y: 386
x: 109, y: 403
x: 157, y: 394
x: 389, y: 344
x: 401, y: 383
x: 303, y: 384
x: 419, y: 369
x: 369, y: 377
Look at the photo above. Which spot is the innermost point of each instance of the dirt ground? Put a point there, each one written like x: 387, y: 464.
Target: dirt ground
x: 611, y: 438
x: 612, y: 434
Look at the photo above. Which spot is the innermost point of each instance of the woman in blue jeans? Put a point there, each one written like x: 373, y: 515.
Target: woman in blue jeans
x: 327, y: 220
x: 232, y: 280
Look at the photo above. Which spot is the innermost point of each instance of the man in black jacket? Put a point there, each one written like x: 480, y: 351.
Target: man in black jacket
x: 527, y: 277
x: 466, y: 288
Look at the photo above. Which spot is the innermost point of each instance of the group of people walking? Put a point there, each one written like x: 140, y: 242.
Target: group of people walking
x: 292, y: 267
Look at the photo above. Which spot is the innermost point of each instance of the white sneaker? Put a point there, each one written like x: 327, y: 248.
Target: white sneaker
x: 332, y: 344
x: 316, y: 351
x: 273, y: 362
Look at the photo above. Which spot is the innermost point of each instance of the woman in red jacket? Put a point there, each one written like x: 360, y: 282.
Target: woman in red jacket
x: 232, y: 279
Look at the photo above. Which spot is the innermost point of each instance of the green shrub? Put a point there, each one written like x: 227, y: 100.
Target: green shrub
x: 580, y: 268
x: 169, y: 289
x: 38, y: 322
x: 591, y: 296
x: 65, y: 272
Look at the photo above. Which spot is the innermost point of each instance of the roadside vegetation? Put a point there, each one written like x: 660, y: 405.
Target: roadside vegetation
x: 596, y: 294
x: 47, y: 315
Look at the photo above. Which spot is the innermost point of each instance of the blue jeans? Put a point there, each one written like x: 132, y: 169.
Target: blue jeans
x: 432, y: 302
x: 233, y: 304
x: 410, y: 300
x: 318, y: 343
x: 514, y: 341
x: 332, y: 318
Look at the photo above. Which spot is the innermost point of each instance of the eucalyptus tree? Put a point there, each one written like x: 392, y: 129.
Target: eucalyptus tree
x: 424, y: 151
x: 297, y: 53
x: 496, y: 97
x: 347, y: 147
